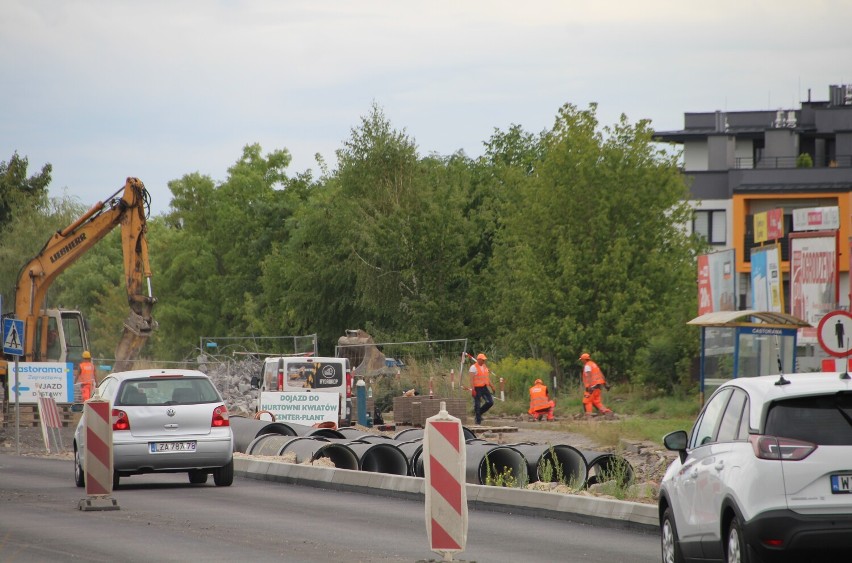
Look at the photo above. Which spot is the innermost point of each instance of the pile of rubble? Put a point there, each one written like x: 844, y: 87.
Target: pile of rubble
x: 233, y: 380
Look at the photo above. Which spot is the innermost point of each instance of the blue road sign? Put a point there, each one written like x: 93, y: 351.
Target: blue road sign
x: 13, y: 337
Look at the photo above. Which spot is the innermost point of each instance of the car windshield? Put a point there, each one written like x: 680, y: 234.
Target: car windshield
x: 825, y: 420
x: 167, y: 391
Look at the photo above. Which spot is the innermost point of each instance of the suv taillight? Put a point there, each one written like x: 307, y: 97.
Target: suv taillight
x: 220, y: 417
x: 781, y: 449
x: 348, y: 384
x: 120, y: 420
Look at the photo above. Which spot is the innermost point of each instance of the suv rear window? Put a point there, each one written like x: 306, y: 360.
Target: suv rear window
x: 824, y: 420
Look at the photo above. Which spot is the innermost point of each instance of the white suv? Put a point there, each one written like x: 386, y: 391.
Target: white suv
x: 766, y: 473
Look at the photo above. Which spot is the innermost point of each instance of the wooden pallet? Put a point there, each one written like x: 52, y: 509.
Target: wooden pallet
x: 29, y: 415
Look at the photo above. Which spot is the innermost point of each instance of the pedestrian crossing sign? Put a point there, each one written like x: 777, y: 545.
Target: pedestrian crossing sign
x: 13, y: 337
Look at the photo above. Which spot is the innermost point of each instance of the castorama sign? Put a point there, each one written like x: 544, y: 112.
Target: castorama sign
x: 53, y: 379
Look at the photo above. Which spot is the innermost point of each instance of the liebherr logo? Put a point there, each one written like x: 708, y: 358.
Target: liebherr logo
x: 67, y: 248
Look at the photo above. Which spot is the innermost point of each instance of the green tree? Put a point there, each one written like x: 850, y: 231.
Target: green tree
x: 381, y: 244
x: 584, y: 261
x: 23, y: 237
x: 209, y: 260
x: 19, y: 191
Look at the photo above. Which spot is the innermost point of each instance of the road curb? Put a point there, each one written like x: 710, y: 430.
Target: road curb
x: 576, y: 508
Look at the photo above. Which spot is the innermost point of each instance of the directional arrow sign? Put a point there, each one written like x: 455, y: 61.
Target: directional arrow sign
x: 13, y: 337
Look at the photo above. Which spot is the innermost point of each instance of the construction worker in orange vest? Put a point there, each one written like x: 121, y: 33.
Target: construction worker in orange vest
x: 480, y: 383
x: 86, y: 376
x: 593, y: 381
x: 540, y: 402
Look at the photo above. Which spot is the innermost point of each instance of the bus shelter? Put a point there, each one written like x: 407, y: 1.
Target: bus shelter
x: 745, y: 344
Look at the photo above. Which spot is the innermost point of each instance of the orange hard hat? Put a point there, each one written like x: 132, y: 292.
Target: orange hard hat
x: 584, y: 356
x: 87, y: 354
x: 481, y: 357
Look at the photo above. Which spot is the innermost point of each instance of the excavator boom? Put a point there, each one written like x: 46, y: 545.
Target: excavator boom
x: 128, y: 208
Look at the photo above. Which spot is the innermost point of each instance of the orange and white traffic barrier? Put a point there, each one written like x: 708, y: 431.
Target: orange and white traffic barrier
x: 97, y: 462
x: 446, y: 497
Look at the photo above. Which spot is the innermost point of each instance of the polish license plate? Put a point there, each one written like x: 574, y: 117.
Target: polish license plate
x: 168, y: 447
x: 841, y: 484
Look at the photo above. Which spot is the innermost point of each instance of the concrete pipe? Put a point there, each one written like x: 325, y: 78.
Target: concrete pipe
x: 315, y: 447
x: 602, y: 466
x: 245, y: 430
x: 302, y: 430
x: 413, y: 450
x: 408, y: 434
x: 377, y: 439
x: 351, y: 432
x: 272, y: 444
x: 380, y: 458
x: 417, y: 433
x: 497, y: 461
x: 481, y: 441
x: 566, y: 462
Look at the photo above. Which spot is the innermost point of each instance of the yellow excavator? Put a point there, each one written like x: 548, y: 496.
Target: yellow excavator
x: 58, y: 335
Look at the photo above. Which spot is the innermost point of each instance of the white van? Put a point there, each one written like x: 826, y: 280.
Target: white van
x: 315, y: 374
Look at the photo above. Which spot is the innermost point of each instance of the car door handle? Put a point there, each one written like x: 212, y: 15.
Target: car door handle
x: 720, y: 465
x: 694, y: 473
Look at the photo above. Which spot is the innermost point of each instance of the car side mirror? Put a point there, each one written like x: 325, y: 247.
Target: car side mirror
x: 677, y: 441
x: 255, y: 382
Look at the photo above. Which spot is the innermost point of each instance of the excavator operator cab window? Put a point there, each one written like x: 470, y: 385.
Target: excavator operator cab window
x: 48, y: 344
x: 73, y: 330
x: 54, y: 346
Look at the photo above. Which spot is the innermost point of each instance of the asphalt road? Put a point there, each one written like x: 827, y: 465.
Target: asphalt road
x: 164, y: 518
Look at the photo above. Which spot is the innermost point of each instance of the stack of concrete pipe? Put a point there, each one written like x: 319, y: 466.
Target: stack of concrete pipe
x: 402, y: 454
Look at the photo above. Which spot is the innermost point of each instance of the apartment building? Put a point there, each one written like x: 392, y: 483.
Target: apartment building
x: 743, y: 163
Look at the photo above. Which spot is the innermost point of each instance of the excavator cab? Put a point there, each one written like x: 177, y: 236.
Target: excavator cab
x: 61, y: 336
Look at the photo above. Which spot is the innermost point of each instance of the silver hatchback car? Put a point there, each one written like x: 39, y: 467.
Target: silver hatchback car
x: 164, y: 420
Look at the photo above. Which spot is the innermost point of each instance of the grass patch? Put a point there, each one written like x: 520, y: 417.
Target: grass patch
x: 504, y: 478
x: 615, y: 480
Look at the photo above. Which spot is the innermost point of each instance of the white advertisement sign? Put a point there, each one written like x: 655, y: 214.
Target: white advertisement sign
x: 56, y: 380
x: 301, y: 408
x: 816, y: 219
x: 813, y: 281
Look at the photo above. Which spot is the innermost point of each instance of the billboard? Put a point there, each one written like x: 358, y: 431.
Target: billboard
x: 767, y: 286
x: 769, y: 225
x: 716, y: 282
x: 813, y: 279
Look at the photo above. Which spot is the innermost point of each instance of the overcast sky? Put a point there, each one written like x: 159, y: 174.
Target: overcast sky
x: 103, y: 90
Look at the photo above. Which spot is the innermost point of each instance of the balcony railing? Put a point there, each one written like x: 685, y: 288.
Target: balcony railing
x: 774, y: 162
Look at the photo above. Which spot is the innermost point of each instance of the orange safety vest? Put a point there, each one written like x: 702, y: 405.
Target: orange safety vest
x: 538, y: 398
x: 592, y: 375
x: 482, y: 376
x: 87, y: 373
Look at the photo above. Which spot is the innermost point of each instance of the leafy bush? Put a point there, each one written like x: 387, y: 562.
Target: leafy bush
x: 804, y: 160
x: 519, y: 374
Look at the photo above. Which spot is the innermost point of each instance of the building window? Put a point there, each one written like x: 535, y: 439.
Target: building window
x: 710, y: 225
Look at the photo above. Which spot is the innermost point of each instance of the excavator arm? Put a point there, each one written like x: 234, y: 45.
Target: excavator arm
x: 127, y: 207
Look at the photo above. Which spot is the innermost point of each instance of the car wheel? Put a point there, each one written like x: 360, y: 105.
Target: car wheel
x: 79, y: 475
x: 197, y: 477
x: 668, y: 539
x: 224, y: 476
x: 115, y: 478
x: 736, y: 550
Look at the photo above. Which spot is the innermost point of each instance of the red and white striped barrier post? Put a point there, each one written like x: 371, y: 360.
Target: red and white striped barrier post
x: 50, y: 419
x: 97, y: 462
x: 446, y: 497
